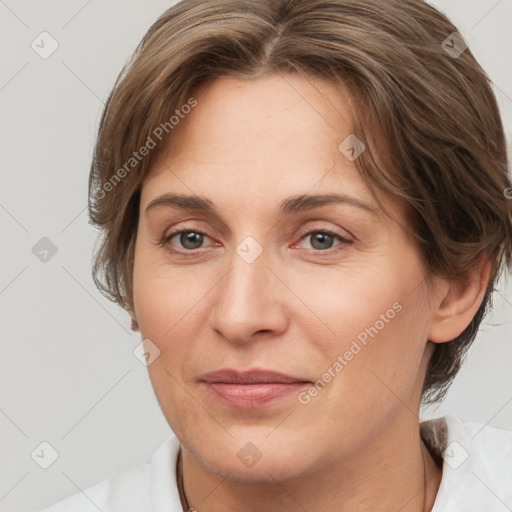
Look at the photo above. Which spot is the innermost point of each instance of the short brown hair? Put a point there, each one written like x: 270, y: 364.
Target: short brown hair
x: 433, y: 114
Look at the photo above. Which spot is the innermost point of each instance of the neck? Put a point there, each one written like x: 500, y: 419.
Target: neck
x: 393, y: 472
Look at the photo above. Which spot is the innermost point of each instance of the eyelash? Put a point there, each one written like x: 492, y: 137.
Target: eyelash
x: 196, y: 252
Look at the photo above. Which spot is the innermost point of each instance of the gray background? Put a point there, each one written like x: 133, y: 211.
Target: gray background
x: 68, y: 374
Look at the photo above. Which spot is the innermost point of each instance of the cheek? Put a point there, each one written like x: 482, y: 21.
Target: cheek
x: 338, y: 306
x: 167, y: 299
x: 370, y: 326
x: 169, y: 313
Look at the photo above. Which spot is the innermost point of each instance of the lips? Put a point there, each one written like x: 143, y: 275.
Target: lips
x: 254, y: 376
x: 252, y: 388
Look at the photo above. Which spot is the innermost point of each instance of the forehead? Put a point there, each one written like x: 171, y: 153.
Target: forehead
x: 264, y: 121
x: 260, y: 141
x: 276, y: 111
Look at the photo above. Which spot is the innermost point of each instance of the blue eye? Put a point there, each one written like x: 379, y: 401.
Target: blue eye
x: 190, y: 240
x: 323, y: 239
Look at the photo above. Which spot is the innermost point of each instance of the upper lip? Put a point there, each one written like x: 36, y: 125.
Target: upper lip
x: 253, y: 376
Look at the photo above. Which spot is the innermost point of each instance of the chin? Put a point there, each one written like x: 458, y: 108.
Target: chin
x: 251, y: 457
x: 269, y: 469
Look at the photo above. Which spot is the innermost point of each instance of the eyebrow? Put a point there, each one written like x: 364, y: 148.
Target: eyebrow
x: 287, y: 206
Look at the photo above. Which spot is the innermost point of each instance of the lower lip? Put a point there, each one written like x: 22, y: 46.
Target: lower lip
x: 252, y: 395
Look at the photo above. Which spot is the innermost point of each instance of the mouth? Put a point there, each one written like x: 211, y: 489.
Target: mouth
x: 252, y: 388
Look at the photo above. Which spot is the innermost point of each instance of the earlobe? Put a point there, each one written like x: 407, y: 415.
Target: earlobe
x: 456, y: 303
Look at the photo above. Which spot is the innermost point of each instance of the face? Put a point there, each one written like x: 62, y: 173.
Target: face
x: 329, y: 293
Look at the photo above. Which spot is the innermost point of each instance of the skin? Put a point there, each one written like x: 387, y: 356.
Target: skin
x: 247, y: 146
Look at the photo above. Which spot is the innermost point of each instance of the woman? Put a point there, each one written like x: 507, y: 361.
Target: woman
x: 305, y: 211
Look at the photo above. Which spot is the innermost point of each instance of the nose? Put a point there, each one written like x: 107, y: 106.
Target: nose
x: 250, y: 301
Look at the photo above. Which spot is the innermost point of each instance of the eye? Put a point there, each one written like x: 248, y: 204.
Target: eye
x: 322, y: 240
x: 188, y: 238
x: 191, y: 240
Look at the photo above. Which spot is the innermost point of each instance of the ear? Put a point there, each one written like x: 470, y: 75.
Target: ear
x: 135, y: 325
x: 456, y: 303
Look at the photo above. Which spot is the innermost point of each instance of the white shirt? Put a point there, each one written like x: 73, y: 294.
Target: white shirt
x: 477, y: 475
